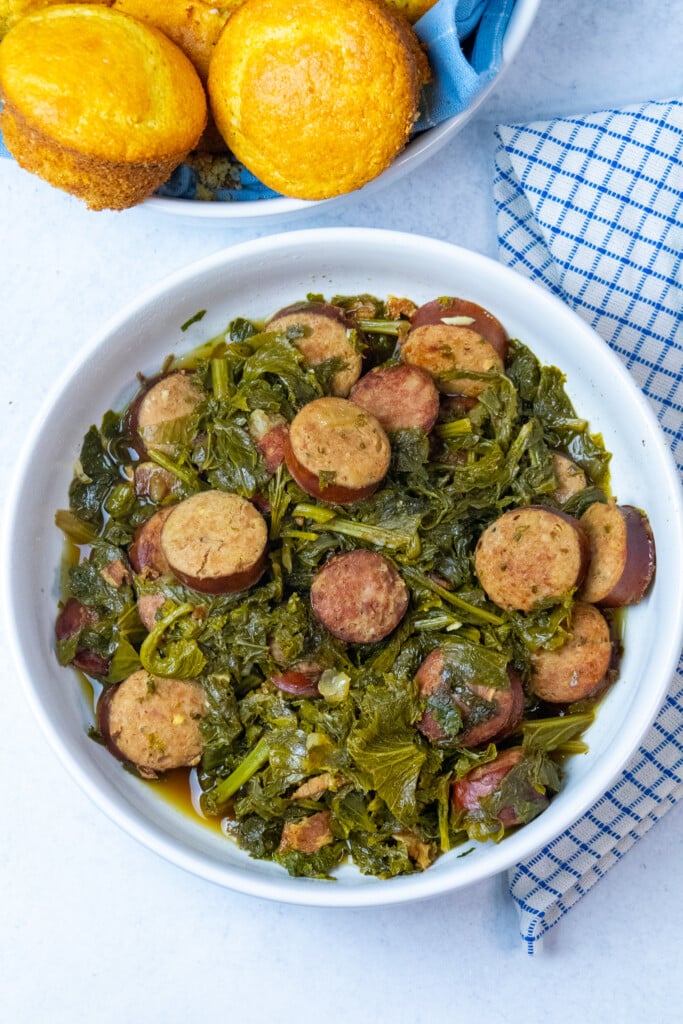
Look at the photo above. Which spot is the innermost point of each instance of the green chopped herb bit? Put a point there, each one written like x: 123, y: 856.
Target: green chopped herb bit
x: 199, y: 315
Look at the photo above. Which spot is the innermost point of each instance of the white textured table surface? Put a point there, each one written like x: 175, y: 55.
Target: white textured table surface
x: 95, y: 928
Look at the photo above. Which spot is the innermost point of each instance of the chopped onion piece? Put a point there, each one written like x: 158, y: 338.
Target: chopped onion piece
x: 334, y: 686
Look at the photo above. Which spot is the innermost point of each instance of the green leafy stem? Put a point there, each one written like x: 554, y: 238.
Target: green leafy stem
x: 214, y: 801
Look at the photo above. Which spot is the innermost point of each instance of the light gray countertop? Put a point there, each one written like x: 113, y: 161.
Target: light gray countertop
x: 95, y: 928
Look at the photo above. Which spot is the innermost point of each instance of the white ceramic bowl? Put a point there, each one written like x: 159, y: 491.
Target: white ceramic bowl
x: 256, y: 279
x: 418, y: 150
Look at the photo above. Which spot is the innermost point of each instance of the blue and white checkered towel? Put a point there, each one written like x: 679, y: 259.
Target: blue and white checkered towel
x: 593, y: 207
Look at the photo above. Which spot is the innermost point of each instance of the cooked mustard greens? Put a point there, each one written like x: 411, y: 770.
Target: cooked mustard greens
x: 386, y: 789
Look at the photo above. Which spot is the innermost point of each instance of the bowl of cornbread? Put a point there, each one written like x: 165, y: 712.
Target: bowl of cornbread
x: 309, y: 99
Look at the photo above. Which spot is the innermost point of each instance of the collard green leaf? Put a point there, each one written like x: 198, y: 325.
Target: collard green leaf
x: 381, y: 856
x: 172, y: 658
x: 390, y: 764
x: 320, y: 864
x: 409, y: 450
x: 386, y: 749
x: 546, y: 734
x: 221, y: 726
x: 124, y: 662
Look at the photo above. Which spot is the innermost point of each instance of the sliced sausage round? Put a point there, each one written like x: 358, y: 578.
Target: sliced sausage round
x: 215, y: 542
x: 153, y: 722
x: 576, y: 669
x: 530, y: 555
x: 359, y: 596
x: 272, y: 446
x: 298, y: 682
x: 466, y: 314
x: 154, y: 482
x: 400, y: 397
x: 73, y: 618
x: 159, y: 411
x: 486, y: 781
x: 146, y: 553
x: 445, y: 350
x: 148, y: 606
x: 268, y: 432
x: 327, y: 336
x: 622, y: 555
x: 308, y: 835
x: 336, y: 451
x: 570, y: 478
x: 455, y: 407
x: 485, y: 711
x: 91, y: 663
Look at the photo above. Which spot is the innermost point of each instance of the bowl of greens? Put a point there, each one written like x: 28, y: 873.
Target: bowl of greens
x: 280, y: 604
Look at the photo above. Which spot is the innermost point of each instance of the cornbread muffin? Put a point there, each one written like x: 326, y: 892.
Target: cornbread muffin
x: 97, y: 103
x: 195, y: 28
x: 12, y: 11
x: 413, y: 9
x: 316, y: 97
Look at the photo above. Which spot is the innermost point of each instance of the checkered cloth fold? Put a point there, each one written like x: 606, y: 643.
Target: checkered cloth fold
x: 592, y: 207
x: 464, y: 40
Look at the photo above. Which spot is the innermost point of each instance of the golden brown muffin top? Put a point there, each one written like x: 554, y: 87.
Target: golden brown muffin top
x: 194, y: 27
x: 100, y: 82
x: 316, y: 97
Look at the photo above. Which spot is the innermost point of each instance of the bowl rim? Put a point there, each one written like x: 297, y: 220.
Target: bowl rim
x: 519, y: 845
x: 415, y: 153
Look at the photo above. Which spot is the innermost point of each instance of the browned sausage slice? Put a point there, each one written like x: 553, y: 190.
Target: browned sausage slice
x: 622, y: 562
x: 359, y: 596
x: 336, y: 451
x: 485, y: 781
x: 308, y: 835
x: 445, y: 349
x: 272, y: 446
x: 455, y: 407
x: 154, y: 482
x: 74, y: 617
x: 327, y: 337
x: 530, y: 555
x: 215, y: 542
x: 161, y: 410
x: 269, y: 431
x: 153, y: 722
x: 440, y: 311
x: 570, y: 478
x: 314, y: 787
x: 400, y: 397
x: 576, y: 669
x: 72, y: 620
x: 148, y: 606
x: 146, y: 552
x: 91, y: 663
x: 298, y: 683
x: 486, y: 711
